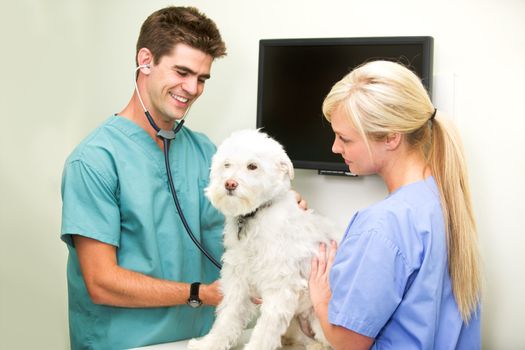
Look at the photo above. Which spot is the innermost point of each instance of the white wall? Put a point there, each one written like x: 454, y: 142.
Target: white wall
x: 68, y: 64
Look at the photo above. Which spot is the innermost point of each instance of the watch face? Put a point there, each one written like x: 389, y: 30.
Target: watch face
x: 194, y: 303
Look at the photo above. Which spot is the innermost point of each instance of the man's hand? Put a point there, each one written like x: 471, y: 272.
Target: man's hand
x: 211, y: 294
x: 256, y: 300
x: 301, y: 202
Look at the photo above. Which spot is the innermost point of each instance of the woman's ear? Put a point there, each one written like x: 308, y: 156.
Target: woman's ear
x: 393, y: 141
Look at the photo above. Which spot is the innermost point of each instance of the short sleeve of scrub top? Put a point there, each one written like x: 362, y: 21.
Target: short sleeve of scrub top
x: 93, y: 196
x: 368, y: 279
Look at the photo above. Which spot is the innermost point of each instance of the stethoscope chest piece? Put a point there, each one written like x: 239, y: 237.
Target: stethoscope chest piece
x: 166, y: 134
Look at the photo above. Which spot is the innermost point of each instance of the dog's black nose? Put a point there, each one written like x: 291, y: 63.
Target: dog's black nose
x: 230, y: 184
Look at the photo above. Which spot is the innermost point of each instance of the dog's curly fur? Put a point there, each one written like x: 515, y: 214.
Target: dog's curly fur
x: 269, y: 242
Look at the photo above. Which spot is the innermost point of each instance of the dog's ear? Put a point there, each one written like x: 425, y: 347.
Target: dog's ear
x: 287, y: 167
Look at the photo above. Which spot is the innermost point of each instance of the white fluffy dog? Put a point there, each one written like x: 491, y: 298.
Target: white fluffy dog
x: 269, y: 243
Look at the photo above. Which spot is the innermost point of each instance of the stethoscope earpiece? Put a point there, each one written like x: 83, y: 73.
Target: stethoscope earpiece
x: 145, y: 66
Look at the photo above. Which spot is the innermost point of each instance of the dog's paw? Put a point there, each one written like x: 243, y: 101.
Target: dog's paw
x: 317, y: 346
x: 255, y: 345
x: 250, y: 347
x: 209, y: 342
x: 195, y: 344
x: 201, y: 344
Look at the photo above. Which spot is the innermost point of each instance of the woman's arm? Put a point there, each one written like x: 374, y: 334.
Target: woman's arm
x: 339, y: 337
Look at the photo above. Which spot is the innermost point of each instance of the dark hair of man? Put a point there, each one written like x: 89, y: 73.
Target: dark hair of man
x: 172, y: 25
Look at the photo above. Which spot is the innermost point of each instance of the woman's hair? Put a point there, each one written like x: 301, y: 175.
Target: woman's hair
x: 381, y: 98
x: 169, y: 26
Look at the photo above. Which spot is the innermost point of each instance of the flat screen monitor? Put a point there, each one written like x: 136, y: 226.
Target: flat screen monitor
x: 295, y: 75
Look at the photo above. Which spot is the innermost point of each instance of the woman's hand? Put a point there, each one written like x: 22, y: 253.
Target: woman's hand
x: 319, y: 282
x: 320, y: 294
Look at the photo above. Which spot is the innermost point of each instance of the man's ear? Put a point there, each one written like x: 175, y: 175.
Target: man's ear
x: 393, y: 141
x: 145, y: 59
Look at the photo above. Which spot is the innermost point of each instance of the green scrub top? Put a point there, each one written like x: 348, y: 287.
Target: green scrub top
x: 115, y: 190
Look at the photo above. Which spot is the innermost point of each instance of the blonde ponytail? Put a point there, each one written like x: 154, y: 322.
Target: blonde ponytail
x: 447, y: 164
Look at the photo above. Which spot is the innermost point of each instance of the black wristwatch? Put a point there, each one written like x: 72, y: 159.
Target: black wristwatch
x: 194, y: 300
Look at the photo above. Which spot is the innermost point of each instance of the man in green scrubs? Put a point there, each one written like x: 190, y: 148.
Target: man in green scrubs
x: 131, y: 262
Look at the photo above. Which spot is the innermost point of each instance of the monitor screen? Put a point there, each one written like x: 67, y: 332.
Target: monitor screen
x: 295, y: 75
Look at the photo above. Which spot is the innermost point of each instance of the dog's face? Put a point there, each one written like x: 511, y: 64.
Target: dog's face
x: 248, y: 170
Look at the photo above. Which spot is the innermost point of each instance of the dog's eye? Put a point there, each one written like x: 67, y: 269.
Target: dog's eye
x: 252, y: 166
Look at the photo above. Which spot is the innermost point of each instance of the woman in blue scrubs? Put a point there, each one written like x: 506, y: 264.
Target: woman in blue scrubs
x: 406, y: 273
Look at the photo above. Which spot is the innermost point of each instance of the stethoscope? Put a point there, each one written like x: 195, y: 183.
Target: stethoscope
x: 167, y: 136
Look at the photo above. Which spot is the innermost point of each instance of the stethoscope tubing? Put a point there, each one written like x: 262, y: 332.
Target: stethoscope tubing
x: 167, y: 136
x: 166, y: 143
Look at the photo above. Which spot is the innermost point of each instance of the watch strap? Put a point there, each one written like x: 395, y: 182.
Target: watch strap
x: 194, y: 299
x: 194, y: 289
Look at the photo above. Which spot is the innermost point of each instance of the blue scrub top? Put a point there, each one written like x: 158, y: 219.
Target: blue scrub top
x: 390, y: 277
x: 115, y: 190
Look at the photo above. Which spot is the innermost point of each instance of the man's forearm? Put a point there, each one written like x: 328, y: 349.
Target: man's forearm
x: 120, y: 287
x: 109, y: 284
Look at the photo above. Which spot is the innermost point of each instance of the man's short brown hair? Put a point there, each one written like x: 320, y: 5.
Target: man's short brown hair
x: 172, y: 25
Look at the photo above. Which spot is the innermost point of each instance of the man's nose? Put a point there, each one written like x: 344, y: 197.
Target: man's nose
x: 191, y: 86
